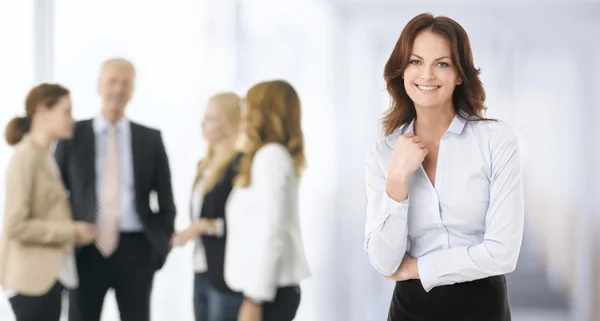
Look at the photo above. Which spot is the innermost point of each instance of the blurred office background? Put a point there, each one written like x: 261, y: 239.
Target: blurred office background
x: 540, y: 64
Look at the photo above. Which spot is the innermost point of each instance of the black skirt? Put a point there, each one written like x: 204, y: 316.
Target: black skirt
x: 480, y: 300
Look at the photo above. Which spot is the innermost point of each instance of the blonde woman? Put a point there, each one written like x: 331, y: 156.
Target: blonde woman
x: 213, y: 300
x: 265, y: 257
x: 38, y: 235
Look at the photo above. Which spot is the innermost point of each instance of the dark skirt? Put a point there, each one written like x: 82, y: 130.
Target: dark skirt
x: 285, y: 305
x: 480, y: 300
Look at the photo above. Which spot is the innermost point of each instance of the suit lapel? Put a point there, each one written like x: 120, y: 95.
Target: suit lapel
x: 137, y: 156
x: 87, y: 153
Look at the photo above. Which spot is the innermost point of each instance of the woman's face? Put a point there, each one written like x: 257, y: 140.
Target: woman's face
x: 215, y: 126
x: 58, y: 120
x: 430, y: 76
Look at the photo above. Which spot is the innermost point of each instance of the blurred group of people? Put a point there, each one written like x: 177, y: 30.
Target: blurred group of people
x: 78, y: 214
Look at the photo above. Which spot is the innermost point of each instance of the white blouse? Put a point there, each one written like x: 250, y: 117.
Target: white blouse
x: 466, y: 226
x: 68, y: 273
x: 199, y: 256
x: 264, y: 249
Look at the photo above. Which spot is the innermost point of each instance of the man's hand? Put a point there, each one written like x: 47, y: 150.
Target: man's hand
x: 85, y: 233
x: 408, y: 270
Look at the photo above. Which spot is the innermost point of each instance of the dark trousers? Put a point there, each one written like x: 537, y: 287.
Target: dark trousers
x: 285, y: 305
x: 45, y: 307
x: 129, y: 271
x: 478, y: 300
x: 211, y: 304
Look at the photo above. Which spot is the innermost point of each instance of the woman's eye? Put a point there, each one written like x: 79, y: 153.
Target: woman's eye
x: 444, y: 64
x: 414, y: 62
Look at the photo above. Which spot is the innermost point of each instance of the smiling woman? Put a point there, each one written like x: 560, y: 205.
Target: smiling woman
x: 444, y: 195
x: 432, y: 58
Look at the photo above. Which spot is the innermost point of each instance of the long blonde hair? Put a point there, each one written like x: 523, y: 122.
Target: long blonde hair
x: 272, y: 115
x: 229, y: 103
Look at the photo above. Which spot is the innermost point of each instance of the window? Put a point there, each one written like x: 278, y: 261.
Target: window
x: 16, y: 78
x: 16, y: 63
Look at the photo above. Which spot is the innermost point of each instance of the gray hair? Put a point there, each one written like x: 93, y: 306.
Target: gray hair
x: 118, y: 61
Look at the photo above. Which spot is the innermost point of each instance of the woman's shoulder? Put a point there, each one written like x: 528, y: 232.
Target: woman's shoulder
x: 494, y: 131
x: 273, y: 156
x: 273, y: 151
x: 384, y: 145
x: 494, y: 125
x: 24, y: 156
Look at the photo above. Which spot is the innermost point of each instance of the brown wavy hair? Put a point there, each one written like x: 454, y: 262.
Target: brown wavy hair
x: 272, y: 115
x: 468, y: 98
x: 46, y: 95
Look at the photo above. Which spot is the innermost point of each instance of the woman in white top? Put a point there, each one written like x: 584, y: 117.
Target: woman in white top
x: 220, y: 127
x: 445, y: 202
x: 38, y: 235
x: 265, y: 257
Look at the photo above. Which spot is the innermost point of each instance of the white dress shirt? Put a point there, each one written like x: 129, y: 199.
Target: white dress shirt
x: 129, y: 219
x: 469, y: 225
x: 199, y: 256
x: 67, y: 275
x: 264, y: 249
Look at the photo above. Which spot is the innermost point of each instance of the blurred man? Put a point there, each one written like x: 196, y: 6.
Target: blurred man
x: 111, y: 166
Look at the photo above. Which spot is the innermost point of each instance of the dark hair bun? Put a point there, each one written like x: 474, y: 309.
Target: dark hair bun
x: 16, y: 129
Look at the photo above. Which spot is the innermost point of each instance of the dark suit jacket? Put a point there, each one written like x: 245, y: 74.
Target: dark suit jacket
x: 76, y: 159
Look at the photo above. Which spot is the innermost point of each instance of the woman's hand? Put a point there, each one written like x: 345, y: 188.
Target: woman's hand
x: 202, y: 226
x: 250, y: 311
x: 191, y: 232
x: 408, y: 270
x: 409, y: 153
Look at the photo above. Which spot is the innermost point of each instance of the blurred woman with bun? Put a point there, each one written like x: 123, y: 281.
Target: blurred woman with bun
x: 38, y: 234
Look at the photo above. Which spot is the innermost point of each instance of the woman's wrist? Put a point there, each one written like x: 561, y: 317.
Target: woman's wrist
x: 254, y: 301
x: 397, y: 189
x: 198, y: 227
x: 213, y: 226
x: 219, y: 226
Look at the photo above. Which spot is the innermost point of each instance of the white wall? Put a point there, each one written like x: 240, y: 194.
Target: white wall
x: 16, y: 69
x: 16, y: 77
